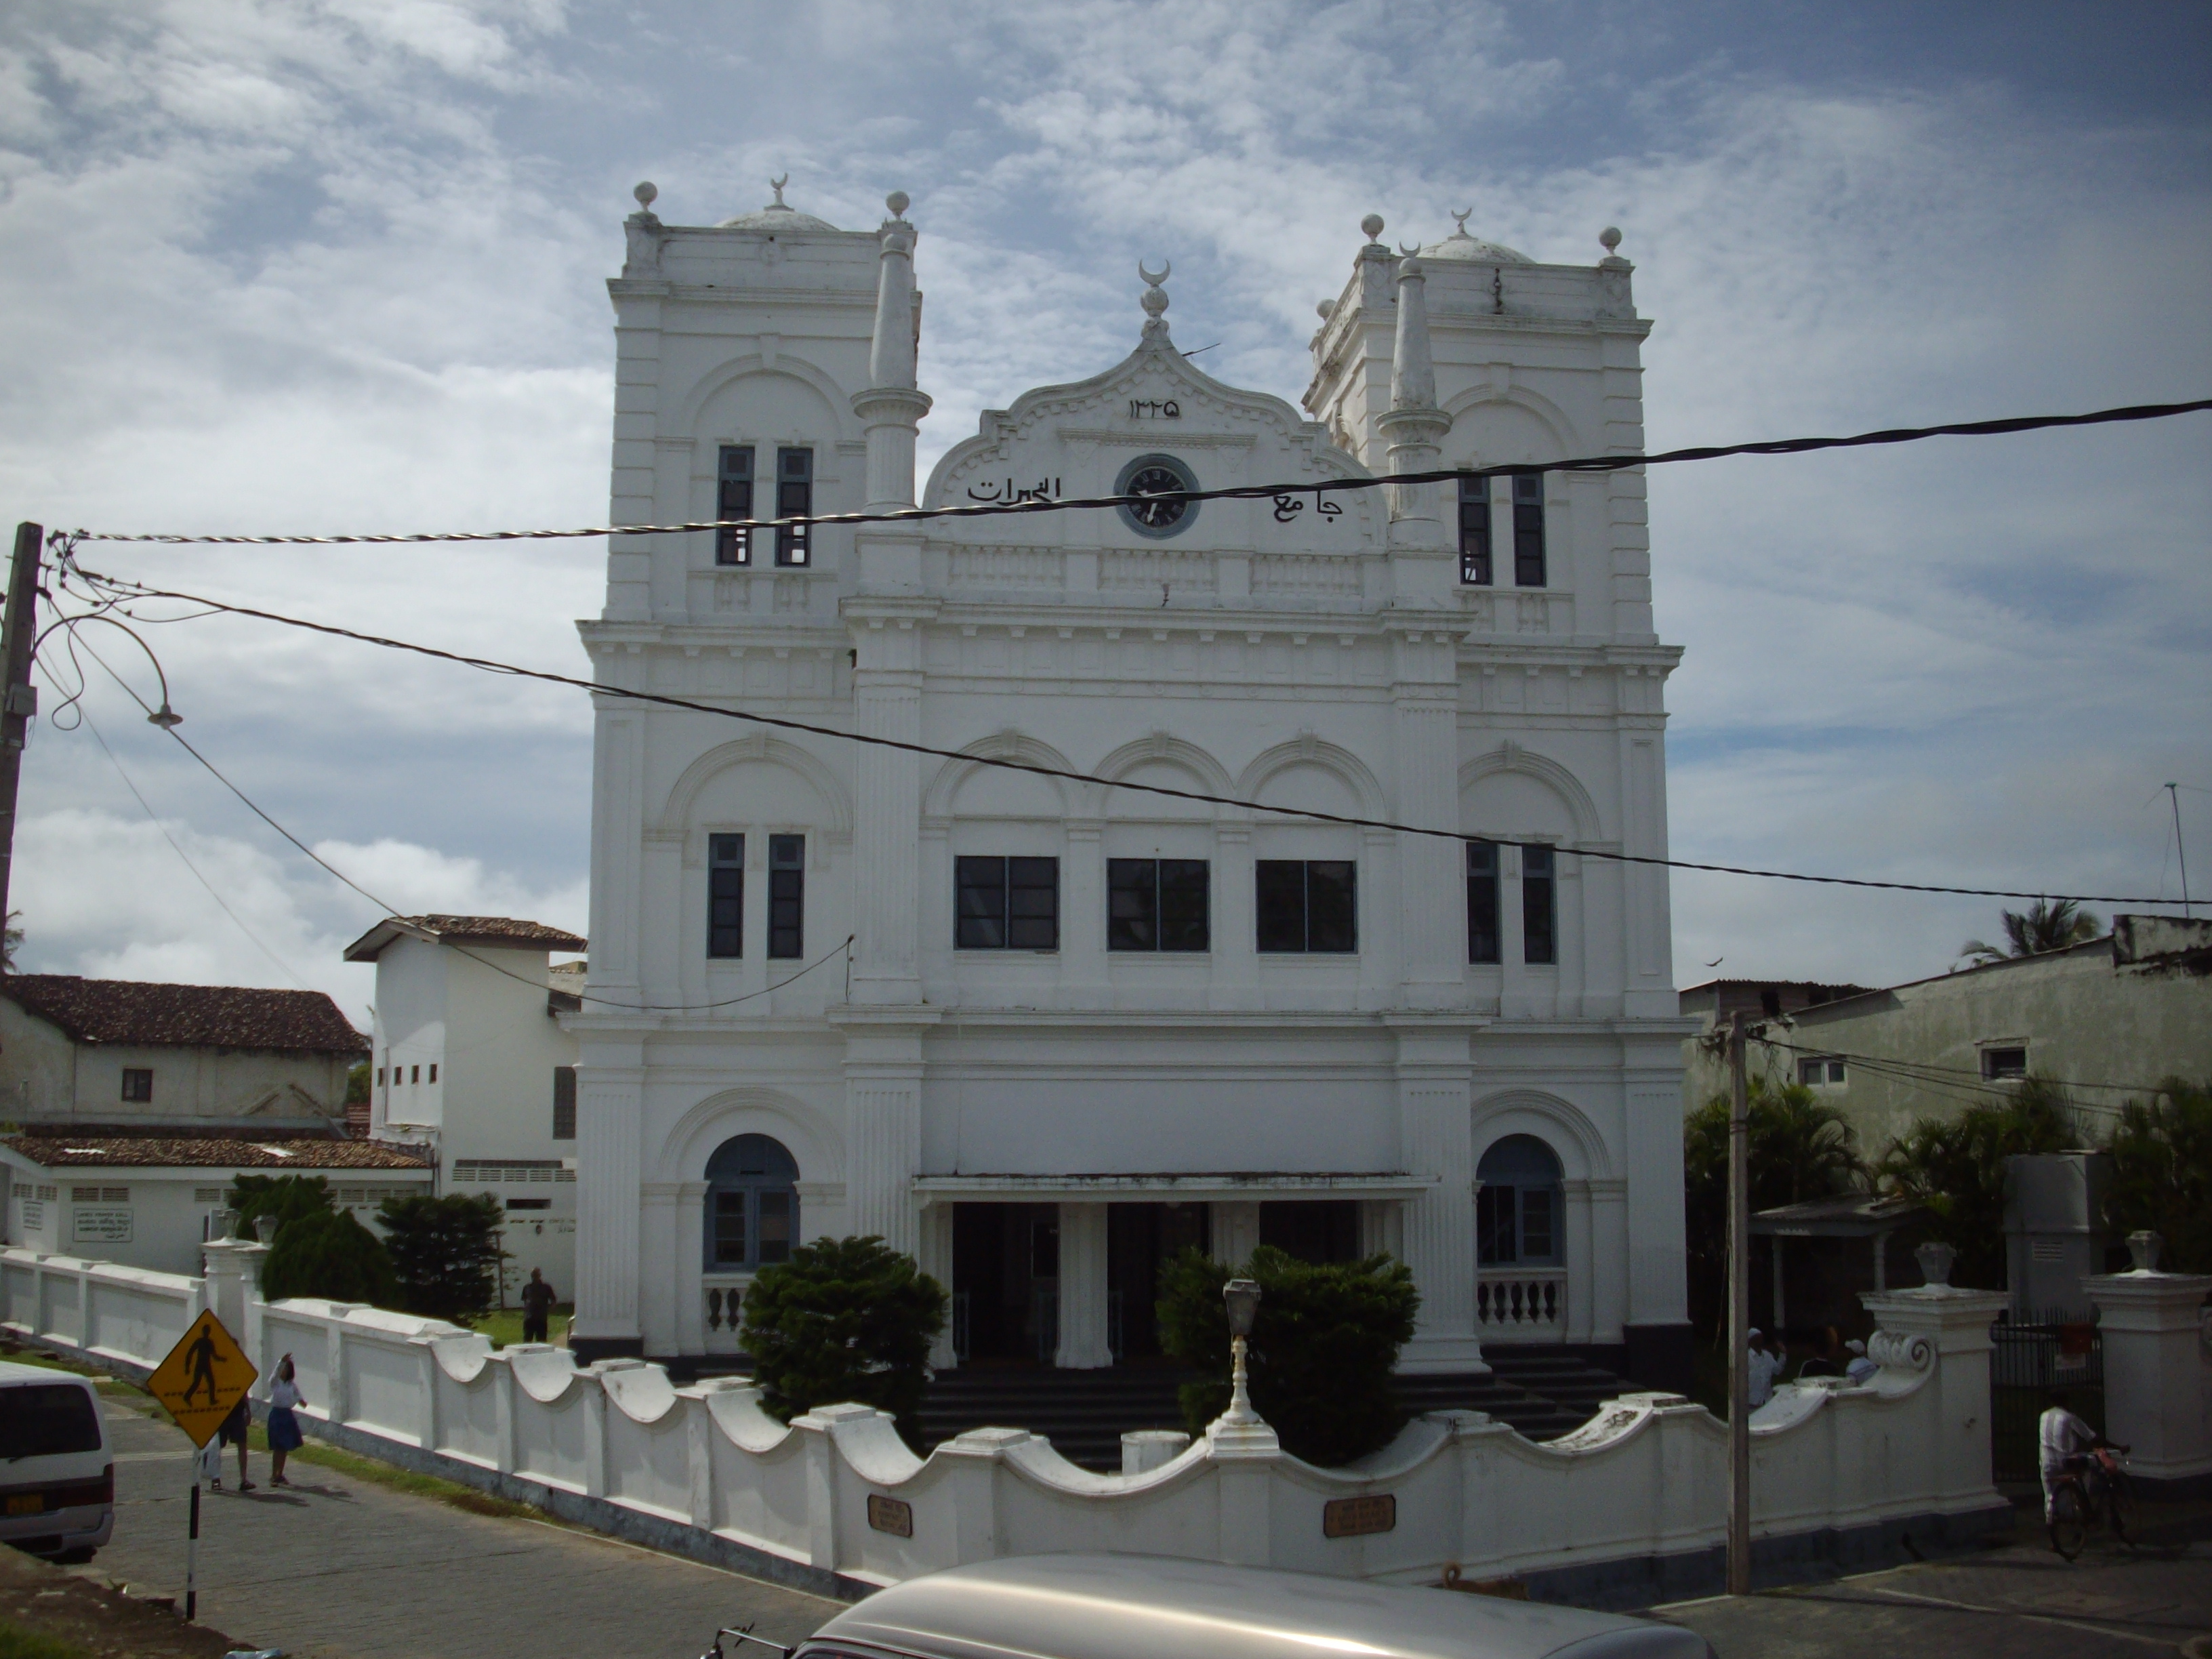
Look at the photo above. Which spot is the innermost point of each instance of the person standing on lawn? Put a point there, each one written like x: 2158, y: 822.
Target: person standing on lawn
x: 538, y: 1299
x: 284, y: 1437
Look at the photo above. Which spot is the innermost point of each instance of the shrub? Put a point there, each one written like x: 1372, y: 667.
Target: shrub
x: 2162, y: 1174
x: 1323, y: 1345
x: 1958, y: 1170
x: 845, y: 1319
x: 288, y: 1197
x: 445, y: 1252
x: 327, y: 1253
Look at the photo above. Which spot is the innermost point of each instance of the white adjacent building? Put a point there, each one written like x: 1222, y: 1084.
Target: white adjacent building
x: 1041, y: 1031
x: 473, y: 1070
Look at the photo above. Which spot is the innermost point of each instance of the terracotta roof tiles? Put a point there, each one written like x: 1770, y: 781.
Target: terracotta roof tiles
x: 184, y: 1016
x: 146, y: 1152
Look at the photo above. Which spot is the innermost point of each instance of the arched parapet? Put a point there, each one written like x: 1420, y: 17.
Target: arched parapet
x: 1556, y: 423
x: 942, y: 791
x: 1209, y: 776
x: 1307, y: 750
x: 805, y: 1133
x: 1511, y: 756
x: 1582, y: 1149
x: 837, y: 801
x: 712, y: 384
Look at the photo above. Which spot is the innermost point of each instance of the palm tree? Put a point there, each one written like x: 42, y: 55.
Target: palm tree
x: 1957, y: 1169
x: 2044, y: 925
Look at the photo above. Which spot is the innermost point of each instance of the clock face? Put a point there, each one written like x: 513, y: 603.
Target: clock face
x: 1154, y: 480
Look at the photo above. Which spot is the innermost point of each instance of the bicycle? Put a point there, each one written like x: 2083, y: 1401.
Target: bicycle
x: 2094, y: 1490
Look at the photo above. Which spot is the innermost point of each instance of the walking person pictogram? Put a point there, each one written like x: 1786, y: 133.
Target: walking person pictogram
x: 200, y: 1357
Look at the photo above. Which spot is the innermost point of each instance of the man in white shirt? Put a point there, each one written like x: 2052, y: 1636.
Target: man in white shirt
x: 1760, y: 1366
x: 2063, y: 1438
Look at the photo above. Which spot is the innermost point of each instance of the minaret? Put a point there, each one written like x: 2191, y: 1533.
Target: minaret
x: 890, y: 410
x: 1415, y: 429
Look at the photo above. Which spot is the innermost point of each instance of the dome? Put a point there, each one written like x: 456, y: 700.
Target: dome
x: 1461, y: 245
x: 778, y: 215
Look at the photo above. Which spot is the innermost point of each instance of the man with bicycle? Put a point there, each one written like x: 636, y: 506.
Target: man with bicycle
x: 2066, y: 1443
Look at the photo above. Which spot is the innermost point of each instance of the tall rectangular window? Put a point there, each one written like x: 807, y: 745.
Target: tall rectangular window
x: 1528, y: 530
x: 1540, y: 905
x: 1482, y: 901
x: 138, y: 1083
x: 1496, y: 1240
x: 564, y: 1103
x: 1474, y: 532
x: 726, y: 895
x: 1307, y: 905
x: 1155, y: 904
x: 1007, y: 904
x: 786, y: 896
x: 733, y: 499
x: 794, y: 498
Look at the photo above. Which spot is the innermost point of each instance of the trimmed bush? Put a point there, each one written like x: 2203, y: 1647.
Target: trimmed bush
x: 845, y: 1319
x: 328, y: 1254
x: 286, y: 1197
x: 445, y: 1252
x: 1322, y: 1349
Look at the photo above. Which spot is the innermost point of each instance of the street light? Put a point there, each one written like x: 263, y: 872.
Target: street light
x: 1241, y: 1297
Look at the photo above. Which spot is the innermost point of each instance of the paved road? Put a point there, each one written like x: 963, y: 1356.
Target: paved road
x: 350, y: 1570
x: 2019, y: 1600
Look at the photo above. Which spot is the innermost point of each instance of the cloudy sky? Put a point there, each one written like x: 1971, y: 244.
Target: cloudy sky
x: 337, y: 265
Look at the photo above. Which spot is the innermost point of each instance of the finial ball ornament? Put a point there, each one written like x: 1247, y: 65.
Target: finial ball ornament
x: 1372, y: 224
x: 897, y: 201
x: 646, y: 193
x: 1609, y: 237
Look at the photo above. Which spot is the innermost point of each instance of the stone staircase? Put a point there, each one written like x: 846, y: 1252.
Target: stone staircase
x: 1084, y: 1414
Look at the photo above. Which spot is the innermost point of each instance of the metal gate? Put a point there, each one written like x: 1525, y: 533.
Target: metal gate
x: 2026, y: 1362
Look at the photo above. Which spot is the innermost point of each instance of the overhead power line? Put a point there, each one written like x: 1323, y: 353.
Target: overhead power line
x: 1241, y: 492
x: 117, y: 589
x: 1960, y: 1076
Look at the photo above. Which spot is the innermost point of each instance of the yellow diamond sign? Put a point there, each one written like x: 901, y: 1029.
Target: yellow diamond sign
x: 204, y: 1378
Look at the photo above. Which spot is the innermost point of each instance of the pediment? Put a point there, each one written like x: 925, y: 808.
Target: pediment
x: 1077, y: 439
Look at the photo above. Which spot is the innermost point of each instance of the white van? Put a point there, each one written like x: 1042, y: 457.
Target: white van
x: 57, y: 1480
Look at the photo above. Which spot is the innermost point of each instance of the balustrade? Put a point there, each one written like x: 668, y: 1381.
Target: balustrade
x: 1522, y: 1304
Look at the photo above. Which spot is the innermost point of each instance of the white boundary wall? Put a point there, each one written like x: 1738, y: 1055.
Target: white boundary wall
x: 1627, y: 1509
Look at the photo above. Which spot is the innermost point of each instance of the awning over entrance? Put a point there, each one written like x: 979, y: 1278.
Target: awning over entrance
x: 1227, y: 1186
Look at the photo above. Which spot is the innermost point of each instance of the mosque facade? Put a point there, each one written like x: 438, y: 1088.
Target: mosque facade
x: 1292, y: 920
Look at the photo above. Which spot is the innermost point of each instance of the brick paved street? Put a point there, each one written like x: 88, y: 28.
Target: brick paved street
x: 345, y: 1568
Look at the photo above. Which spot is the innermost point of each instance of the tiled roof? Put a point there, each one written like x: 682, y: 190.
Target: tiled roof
x: 504, y: 932
x: 184, y: 1016
x: 149, y: 1152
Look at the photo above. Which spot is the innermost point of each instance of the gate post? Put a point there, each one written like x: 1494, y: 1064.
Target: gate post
x: 2158, y: 1371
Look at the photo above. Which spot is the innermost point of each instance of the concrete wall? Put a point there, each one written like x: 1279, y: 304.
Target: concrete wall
x: 1627, y: 1509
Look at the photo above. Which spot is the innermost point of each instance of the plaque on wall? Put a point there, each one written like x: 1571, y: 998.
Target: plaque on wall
x: 1356, y: 1517
x: 891, y: 1515
x: 100, y: 1227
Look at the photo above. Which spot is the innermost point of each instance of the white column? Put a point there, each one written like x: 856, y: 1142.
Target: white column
x: 1946, y: 1329
x: 1083, y: 1288
x: 690, y: 1229
x: 1236, y: 1227
x: 1432, y: 880
x: 936, y: 1260
x: 1608, y: 1210
x: 1436, y: 1130
x: 657, y: 1269
x: 2158, y: 1371
x: 610, y: 1105
x: 1083, y: 914
x: 883, y: 1095
x: 887, y: 687
x: 1236, y: 978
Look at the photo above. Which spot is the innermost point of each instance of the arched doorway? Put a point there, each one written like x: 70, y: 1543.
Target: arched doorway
x: 752, y: 1205
x: 1521, y: 1290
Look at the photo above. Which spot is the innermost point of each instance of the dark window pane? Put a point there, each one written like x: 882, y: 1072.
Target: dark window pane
x: 1033, y: 904
x: 1536, y: 1233
x: 725, y: 896
x: 1332, y: 906
x: 1493, y: 1226
x: 1184, y: 890
x: 734, y: 500
x: 1481, y: 901
x: 1539, y: 907
x: 1529, y: 530
x: 1474, y: 532
x: 1280, y: 900
x: 1132, y: 904
x: 786, y: 896
x: 564, y: 1103
x: 979, y: 904
x: 729, y: 1241
x: 774, y: 1228
x: 794, y: 497
x: 48, y: 1419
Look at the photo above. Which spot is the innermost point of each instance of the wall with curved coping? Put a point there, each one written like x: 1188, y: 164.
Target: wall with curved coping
x: 1626, y: 1511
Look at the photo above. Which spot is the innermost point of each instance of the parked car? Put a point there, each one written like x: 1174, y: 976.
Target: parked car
x: 1113, y: 1607
x: 57, y: 1480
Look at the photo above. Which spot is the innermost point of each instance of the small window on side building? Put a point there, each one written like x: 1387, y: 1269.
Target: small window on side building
x: 733, y: 499
x: 138, y: 1083
x: 434, y: 1071
x: 1529, y: 563
x: 2007, y: 1062
x: 564, y: 1103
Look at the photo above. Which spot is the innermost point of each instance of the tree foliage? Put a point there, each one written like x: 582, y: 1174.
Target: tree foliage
x: 1323, y: 1345
x: 445, y: 1253
x: 326, y: 1253
x: 2044, y: 925
x: 845, y: 1319
x: 288, y: 1197
x: 1800, y: 1147
x: 2162, y: 1173
x: 1957, y: 1169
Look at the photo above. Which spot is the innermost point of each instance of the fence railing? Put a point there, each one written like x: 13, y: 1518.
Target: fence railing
x: 1525, y: 1304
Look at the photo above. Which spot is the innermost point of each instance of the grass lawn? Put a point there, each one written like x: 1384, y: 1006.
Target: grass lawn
x: 504, y: 1326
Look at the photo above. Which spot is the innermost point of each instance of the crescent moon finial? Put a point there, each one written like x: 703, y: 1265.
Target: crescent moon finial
x: 1408, y: 249
x: 1166, y: 266
x: 777, y: 184
x: 1459, y: 216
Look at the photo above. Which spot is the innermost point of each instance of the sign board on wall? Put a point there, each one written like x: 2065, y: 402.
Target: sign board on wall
x: 34, y: 1215
x: 104, y: 1225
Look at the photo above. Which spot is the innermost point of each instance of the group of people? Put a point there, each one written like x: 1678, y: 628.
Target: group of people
x: 1767, y: 1358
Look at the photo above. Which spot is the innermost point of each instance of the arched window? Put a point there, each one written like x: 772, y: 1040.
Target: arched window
x: 752, y: 1205
x: 1518, y: 1210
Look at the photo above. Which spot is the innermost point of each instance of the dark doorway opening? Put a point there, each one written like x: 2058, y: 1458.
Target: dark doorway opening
x: 1005, y: 1283
x: 1141, y: 1239
x: 1316, y: 1230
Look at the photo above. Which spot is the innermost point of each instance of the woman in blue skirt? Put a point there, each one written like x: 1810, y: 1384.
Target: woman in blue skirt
x: 284, y: 1428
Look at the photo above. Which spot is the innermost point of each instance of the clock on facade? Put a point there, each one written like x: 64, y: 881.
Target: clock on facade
x: 1156, y: 475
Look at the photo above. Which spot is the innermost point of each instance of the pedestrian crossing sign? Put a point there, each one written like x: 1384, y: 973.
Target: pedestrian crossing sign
x: 204, y: 1378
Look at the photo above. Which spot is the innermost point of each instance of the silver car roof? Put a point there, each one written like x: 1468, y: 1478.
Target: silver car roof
x: 1114, y: 1606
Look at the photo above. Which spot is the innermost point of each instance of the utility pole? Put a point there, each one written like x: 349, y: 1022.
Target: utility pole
x: 1739, y: 1292
x: 18, y: 701
x: 2173, y: 793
